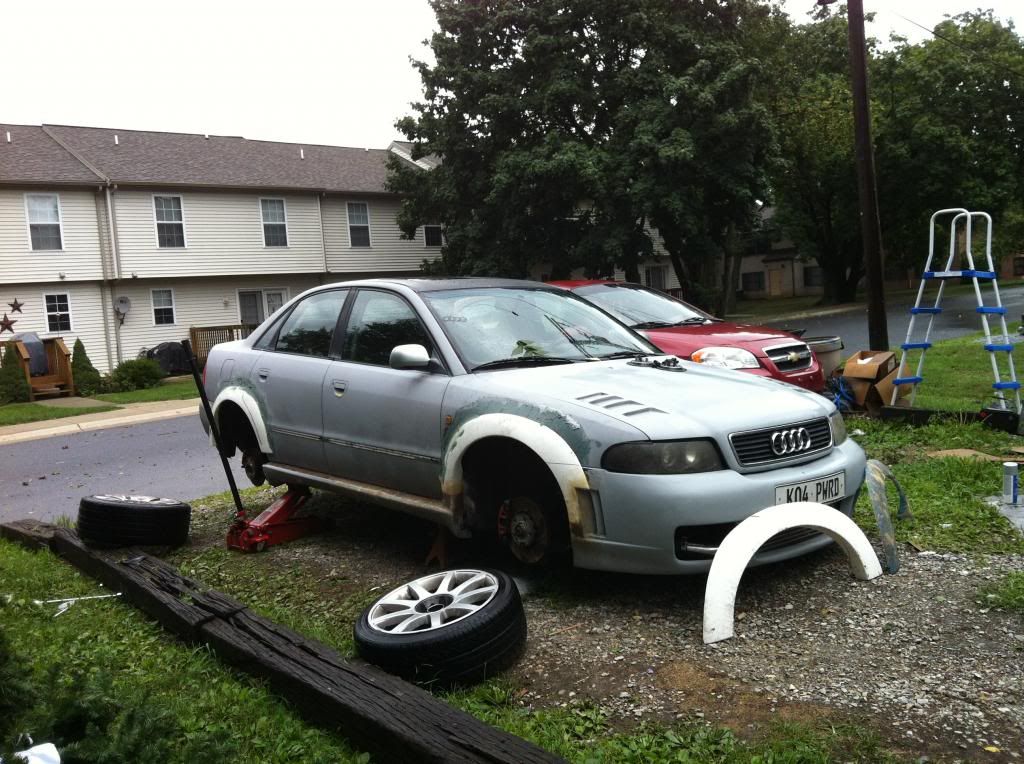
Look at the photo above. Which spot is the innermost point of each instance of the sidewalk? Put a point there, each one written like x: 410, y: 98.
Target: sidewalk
x: 128, y: 414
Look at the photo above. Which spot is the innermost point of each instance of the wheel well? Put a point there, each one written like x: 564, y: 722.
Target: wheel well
x: 492, y: 465
x: 235, y: 429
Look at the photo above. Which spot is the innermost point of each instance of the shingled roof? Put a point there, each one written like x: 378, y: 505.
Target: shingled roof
x: 161, y: 159
x: 29, y: 155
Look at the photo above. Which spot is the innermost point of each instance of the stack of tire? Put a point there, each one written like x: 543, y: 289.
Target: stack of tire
x: 448, y: 629
x: 114, y: 520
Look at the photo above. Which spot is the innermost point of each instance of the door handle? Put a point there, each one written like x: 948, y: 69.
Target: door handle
x: 263, y: 374
x: 339, y: 387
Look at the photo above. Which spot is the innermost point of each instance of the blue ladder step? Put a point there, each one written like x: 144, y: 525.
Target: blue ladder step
x: 907, y: 380
x: 1006, y: 385
x: 925, y: 310
x: 968, y: 274
x: 997, y: 348
x: 916, y: 345
x: 998, y: 311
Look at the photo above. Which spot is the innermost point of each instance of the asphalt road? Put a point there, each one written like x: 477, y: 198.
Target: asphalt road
x: 958, y: 318
x: 44, y: 479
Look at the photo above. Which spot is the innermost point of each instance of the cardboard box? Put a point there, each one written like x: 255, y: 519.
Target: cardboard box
x: 885, y: 386
x: 871, y: 365
x: 858, y: 388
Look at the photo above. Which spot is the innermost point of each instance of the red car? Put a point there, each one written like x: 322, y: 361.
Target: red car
x: 688, y: 332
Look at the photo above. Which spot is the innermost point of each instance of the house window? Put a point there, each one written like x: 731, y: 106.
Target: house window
x: 275, y: 227
x: 163, y: 306
x: 170, y: 225
x: 432, y: 235
x: 812, y: 276
x: 358, y: 224
x: 655, y: 277
x: 44, y: 221
x: 753, y: 281
x: 58, y: 312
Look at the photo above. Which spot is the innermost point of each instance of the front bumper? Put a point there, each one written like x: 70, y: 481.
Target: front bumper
x: 810, y: 378
x: 637, y: 515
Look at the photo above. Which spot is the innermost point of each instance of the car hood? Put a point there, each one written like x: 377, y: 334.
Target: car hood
x: 684, y: 340
x: 698, y: 401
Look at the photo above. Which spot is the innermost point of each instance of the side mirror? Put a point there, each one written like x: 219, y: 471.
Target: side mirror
x: 409, y: 357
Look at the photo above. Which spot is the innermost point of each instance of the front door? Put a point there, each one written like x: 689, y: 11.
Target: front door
x: 291, y: 374
x: 383, y: 425
x: 775, y: 283
x: 250, y: 307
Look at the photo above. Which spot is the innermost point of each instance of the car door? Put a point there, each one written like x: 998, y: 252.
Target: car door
x: 290, y: 375
x: 383, y: 425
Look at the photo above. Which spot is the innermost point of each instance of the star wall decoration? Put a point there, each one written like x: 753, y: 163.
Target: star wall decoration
x: 7, y: 324
x: 15, y: 306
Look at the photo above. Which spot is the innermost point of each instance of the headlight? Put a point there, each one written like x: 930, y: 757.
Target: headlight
x: 663, y: 458
x: 726, y: 358
x: 835, y: 419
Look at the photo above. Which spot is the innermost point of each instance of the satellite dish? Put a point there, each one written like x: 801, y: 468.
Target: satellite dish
x: 122, y: 305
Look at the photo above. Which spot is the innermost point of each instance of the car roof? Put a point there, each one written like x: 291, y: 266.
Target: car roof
x: 428, y: 284
x: 573, y: 283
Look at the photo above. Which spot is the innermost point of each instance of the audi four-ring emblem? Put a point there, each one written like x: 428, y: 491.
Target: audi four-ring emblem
x: 786, y: 442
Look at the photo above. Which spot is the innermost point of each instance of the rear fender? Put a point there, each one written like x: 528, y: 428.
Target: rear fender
x: 547, y: 444
x: 250, y: 407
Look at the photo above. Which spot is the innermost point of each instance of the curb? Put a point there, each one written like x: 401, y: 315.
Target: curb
x: 99, y: 424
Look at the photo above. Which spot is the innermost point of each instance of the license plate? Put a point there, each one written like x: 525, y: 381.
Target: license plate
x: 822, y: 490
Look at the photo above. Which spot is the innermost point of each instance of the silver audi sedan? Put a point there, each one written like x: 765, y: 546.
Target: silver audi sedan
x: 517, y: 413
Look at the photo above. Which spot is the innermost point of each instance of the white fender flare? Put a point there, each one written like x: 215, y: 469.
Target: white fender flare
x: 245, y: 401
x: 745, y: 539
x: 542, y: 440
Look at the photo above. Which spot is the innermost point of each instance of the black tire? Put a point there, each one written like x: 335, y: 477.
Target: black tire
x: 462, y: 652
x: 118, y: 520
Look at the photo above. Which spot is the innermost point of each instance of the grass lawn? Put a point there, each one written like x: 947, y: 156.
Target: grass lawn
x: 168, y: 391
x: 148, y: 696
x: 22, y: 413
x: 957, y: 374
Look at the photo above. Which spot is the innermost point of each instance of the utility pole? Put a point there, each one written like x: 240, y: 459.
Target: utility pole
x: 870, y: 229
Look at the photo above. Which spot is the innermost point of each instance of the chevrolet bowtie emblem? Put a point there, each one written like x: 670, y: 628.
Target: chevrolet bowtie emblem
x: 793, y: 357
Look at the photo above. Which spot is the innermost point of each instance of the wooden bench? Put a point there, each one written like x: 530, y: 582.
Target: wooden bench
x: 59, y: 380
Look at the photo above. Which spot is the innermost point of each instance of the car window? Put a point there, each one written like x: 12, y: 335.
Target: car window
x: 310, y: 326
x: 380, y: 321
x: 494, y: 323
x: 638, y: 306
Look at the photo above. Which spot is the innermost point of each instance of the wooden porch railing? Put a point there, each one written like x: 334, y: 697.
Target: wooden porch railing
x: 205, y: 337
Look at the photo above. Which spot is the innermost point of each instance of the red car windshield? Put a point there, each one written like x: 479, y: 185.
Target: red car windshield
x: 640, y: 307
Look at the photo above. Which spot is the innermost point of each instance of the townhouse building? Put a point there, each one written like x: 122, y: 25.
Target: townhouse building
x: 128, y: 238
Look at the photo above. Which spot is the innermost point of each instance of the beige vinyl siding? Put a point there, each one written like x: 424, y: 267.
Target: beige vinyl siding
x: 387, y: 252
x: 85, y: 303
x: 79, y: 259
x: 223, y: 235
x: 197, y: 302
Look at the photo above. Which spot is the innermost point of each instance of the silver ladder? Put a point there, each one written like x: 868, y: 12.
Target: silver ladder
x: 999, y: 344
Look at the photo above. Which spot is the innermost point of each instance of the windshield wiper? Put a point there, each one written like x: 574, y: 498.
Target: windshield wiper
x: 524, y: 360
x: 626, y: 354
x: 651, y: 325
x: 692, y: 320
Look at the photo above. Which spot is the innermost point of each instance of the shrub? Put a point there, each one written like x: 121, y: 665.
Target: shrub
x: 136, y: 375
x: 87, y: 378
x: 13, y: 385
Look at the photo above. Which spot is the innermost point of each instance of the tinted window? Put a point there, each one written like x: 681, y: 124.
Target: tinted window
x: 310, y: 326
x: 378, y: 323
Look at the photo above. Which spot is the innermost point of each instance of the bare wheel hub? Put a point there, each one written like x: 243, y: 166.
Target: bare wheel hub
x: 522, y: 522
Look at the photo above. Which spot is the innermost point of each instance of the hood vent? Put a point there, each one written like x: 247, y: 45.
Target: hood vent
x: 612, y: 402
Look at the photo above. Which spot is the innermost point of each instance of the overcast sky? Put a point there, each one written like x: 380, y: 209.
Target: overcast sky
x: 302, y: 70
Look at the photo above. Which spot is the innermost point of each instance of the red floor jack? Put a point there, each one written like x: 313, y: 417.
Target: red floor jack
x: 276, y: 524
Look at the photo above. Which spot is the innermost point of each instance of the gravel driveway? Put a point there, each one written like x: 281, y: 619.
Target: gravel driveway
x: 914, y: 656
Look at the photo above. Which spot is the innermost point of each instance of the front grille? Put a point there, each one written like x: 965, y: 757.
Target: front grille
x: 790, y: 357
x: 754, y: 447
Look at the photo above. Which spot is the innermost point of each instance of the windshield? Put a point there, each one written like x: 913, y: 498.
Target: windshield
x: 641, y: 307
x: 490, y: 325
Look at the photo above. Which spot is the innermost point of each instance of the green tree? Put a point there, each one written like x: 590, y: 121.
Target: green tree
x: 14, y: 387
x: 87, y: 378
x: 567, y: 129
x: 815, y: 182
x: 950, y: 114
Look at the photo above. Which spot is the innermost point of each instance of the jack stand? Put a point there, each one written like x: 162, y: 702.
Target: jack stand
x: 276, y: 524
